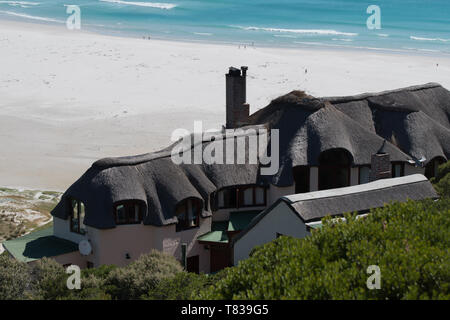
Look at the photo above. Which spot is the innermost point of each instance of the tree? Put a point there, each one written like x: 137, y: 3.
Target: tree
x: 442, y: 180
x: 49, y: 280
x: 142, y: 276
x: 408, y: 241
x: 14, y: 278
x: 183, y: 286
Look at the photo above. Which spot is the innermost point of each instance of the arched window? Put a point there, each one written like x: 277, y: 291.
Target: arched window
x: 432, y: 166
x: 129, y: 212
x: 188, y: 213
x: 77, y: 214
x: 334, y: 169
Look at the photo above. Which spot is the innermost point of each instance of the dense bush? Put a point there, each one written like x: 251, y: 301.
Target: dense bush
x: 142, y: 275
x: 48, y: 280
x: 408, y: 241
x: 442, y: 180
x: 183, y: 286
x: 14, y: 278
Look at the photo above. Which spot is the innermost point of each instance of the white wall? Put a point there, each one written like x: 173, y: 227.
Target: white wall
x: 61, y: 229
x: 281, y: 219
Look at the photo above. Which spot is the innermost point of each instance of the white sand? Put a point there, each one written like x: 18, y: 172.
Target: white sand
x: 68, y: 98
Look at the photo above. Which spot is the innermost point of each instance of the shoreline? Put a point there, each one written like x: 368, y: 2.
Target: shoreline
x: 305, y: 46
x: 70, y: 98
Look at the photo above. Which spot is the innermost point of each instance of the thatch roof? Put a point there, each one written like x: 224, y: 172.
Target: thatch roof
x: 155, y: 180
x: 414, y: 121
x: 313, y: 206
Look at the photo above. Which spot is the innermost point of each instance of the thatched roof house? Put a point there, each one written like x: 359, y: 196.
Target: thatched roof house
x: 414, y: 121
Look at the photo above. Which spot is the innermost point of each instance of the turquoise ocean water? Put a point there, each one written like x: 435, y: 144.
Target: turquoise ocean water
x: 406, y: 25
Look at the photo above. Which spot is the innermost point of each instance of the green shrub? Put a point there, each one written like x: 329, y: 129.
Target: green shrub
x: 182, y: 286
x: 408, y: 241
x: 142, y: 276
x: 92, y: 288
x: 49, y: 280
x: 14, y: 278
x: 442, y: 180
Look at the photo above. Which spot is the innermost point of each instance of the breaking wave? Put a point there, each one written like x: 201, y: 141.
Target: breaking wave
x: 27, y: 16
x: 429, y: 39
x: 302, y: 31
x: 158, y: 5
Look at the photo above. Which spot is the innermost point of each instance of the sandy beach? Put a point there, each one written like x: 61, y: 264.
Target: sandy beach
x: 69, y: 98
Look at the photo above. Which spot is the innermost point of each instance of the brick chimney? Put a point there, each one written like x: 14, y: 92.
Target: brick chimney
x: 237, y: 110
x: 380, y: 167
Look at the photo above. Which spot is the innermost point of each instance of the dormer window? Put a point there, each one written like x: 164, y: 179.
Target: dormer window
x: 243, y: 196
x: 128, y: 212
x: 188, y: 214
x: 77, y: 214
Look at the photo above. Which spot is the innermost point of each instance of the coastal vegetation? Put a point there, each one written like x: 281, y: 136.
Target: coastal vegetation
x: 24, y: 210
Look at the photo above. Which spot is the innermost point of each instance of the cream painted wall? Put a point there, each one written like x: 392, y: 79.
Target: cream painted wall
x: 280, y: 219
x: 110, y: 246
x: 274, y: 193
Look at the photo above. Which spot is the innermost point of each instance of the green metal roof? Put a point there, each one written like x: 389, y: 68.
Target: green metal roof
x: 37, y: 245
x: 214, y: 236
x: 239, y: 220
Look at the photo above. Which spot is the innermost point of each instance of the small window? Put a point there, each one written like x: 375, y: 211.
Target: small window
x: 245, y: 196
x: 251, y: 196
x: 260, y: 196
x: 431, y: 169
x: 364, y: 174
x: 188, y: 214
x: 248, y: 197
x: 129, y: 212
x: 77, y: 214
x: 397, y: 169
x: 227, y: 198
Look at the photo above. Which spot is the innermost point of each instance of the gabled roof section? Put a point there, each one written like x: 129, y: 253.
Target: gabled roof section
x: 315, y: 205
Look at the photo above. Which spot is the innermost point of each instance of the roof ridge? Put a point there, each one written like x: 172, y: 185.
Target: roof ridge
x: 109, y: 162
x: 362, y: 96
x: 363, y: 188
